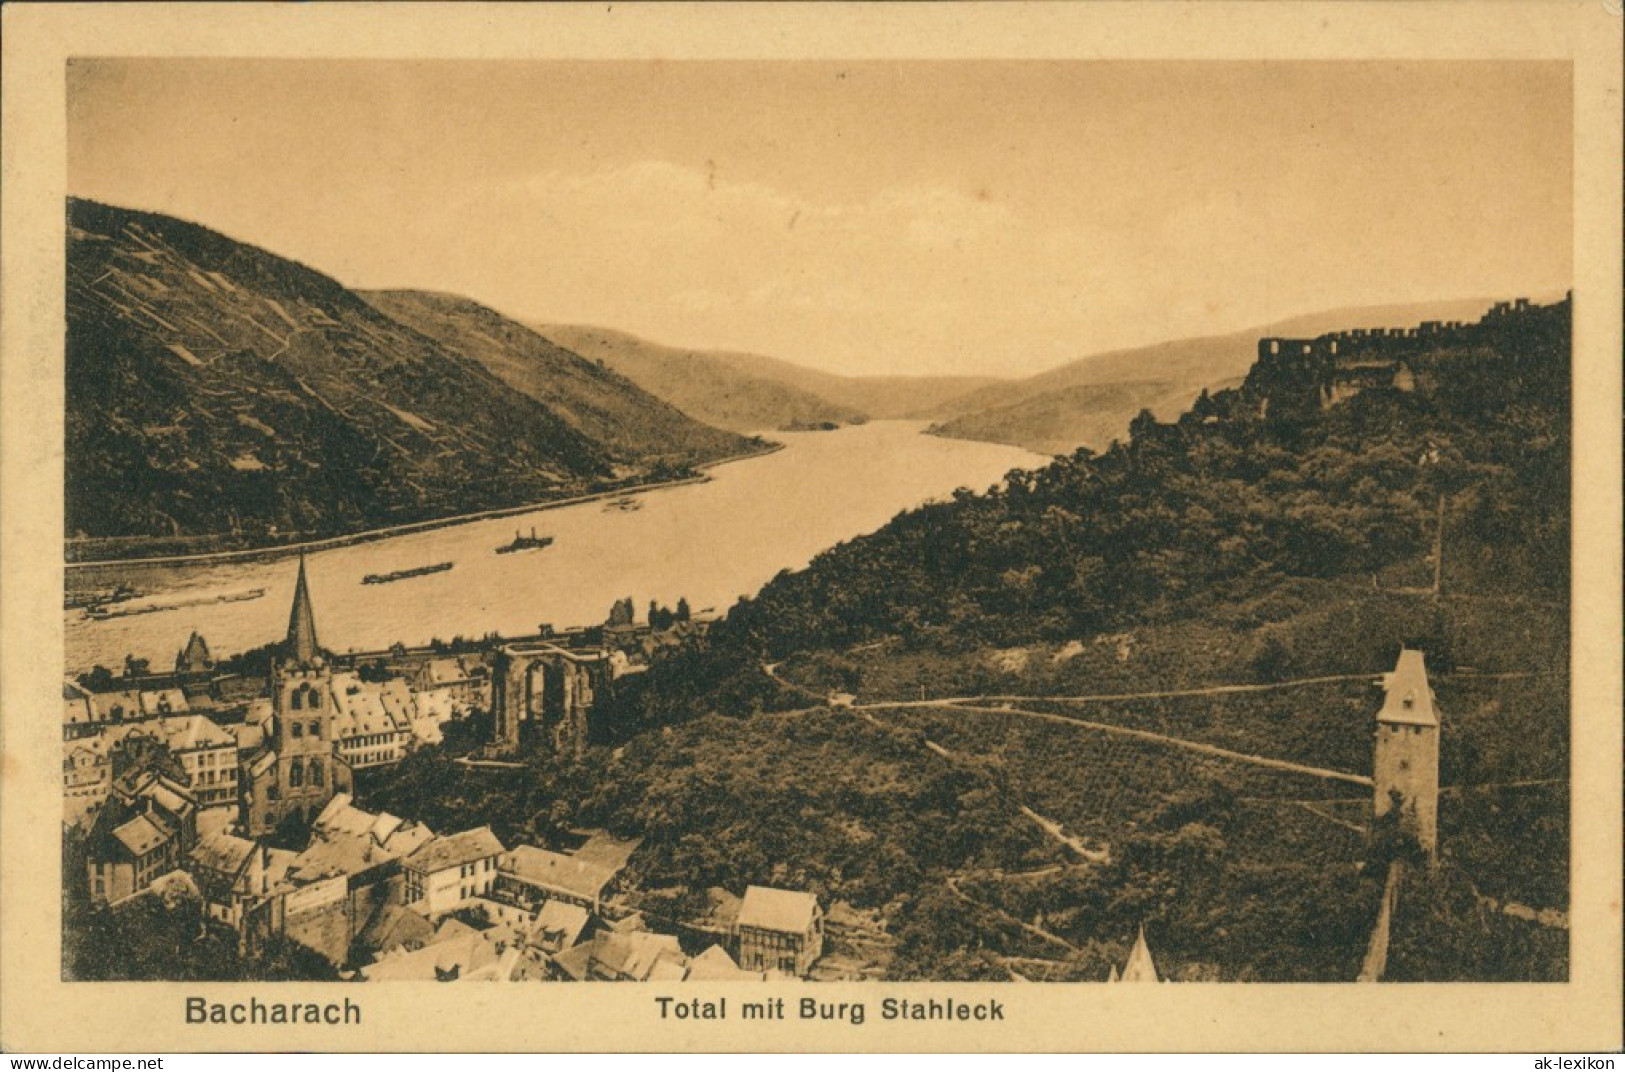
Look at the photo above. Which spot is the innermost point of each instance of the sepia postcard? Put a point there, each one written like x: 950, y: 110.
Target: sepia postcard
x: 811, y: 527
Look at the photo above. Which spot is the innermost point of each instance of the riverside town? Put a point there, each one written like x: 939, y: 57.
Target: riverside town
x: 828, y: 528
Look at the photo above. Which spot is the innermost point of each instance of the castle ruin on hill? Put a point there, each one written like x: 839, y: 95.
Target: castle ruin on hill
x: 1330, y: 368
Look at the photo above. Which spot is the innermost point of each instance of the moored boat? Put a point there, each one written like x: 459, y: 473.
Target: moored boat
x: 102, y: 611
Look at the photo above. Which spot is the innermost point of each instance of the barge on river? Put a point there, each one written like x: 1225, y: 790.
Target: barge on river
x: 403, y: 574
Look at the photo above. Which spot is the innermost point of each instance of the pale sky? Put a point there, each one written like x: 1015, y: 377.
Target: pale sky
x: 953, y: 217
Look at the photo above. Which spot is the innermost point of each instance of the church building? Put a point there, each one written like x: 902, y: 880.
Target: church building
x: 295, y: 771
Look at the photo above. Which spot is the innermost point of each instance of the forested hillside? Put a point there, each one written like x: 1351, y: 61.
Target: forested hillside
x: 1154, y: 672
x: 1222, y: 505
x: 1089, y: 402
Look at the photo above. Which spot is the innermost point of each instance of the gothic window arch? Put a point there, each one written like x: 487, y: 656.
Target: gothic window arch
x: 316, y: 773
x: 298, y: 699
x: 296, y: 774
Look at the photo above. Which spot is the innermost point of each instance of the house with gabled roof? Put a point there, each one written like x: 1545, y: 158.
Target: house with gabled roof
x: 394, y: 926
x: 324, y: 895
x: 114, y: 707
x: 360, y: 845
x: 429, y: 713
x: 463, y: 681
x: 716, y: 966
x: 144, y: 830
x: 779, y: 931
x: 78, y: 716
x: 623, y: 956
x: 529, y: 875
x: 456, y: 953
x: 449, y: 872
x: 207, y: 754
x: 558, y: 926
x: 158, y: 703
x: 87, y: 779
x: 232, y: 874
x: 372, y: 726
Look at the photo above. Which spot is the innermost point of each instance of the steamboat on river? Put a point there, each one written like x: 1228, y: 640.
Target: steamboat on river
x: 532, y: 542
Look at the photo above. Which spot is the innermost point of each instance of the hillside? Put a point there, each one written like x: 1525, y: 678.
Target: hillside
x: 1136, y: 689
x: 706, y: 385
x: 1059, y: 421
x: 602, y: 404
x: 1090, y: 402
x: 752, y: 392
x: 220, y: 396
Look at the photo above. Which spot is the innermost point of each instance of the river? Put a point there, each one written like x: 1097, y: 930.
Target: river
x: 710, y: 542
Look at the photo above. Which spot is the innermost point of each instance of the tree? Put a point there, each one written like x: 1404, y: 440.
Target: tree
x: 99, y: 679
x: 1272, y: 661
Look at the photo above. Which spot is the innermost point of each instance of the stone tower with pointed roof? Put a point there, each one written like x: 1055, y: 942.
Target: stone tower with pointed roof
x: 1405, y: 769
x: 296, y: 771
x: 301, y: 647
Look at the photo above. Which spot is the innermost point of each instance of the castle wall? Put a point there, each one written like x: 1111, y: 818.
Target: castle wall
x: 1332, y: 367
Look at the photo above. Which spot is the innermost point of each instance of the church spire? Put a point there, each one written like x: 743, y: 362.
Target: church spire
x: 1140, y: 967
x: 301, y: 643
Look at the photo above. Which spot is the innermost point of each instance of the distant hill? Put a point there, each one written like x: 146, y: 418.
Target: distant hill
x: 220, y: 396
x: 1090, y: 402
x: 751, y: 392
x: 879, y: 397
x: 718, y: 388
x: 597, y: 401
